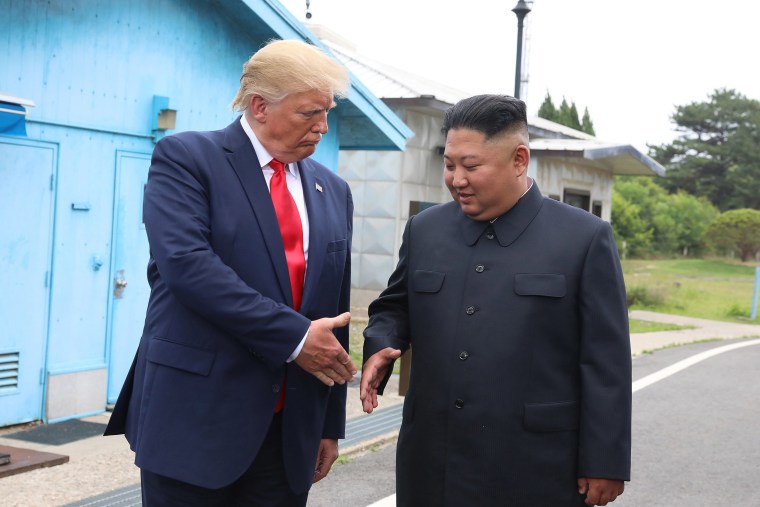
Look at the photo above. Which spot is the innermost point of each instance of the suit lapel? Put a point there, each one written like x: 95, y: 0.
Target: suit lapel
x: 313, y: 194
x: 244, y: 162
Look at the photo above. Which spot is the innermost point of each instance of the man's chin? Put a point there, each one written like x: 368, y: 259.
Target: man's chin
x: 307, y: 151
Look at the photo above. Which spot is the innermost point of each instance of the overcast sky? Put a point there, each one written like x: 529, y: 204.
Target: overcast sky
x: 630, y: 62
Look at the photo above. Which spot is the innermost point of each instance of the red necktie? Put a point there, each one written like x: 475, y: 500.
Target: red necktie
x: 292, y: 239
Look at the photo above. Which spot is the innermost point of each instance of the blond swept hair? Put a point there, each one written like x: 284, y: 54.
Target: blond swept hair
x: 283, y: 67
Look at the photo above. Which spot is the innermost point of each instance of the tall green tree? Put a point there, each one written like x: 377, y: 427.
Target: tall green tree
x: 717, y: 154
x: 587, y: 125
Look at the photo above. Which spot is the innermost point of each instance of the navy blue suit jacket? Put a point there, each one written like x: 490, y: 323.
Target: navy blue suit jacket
x: 220, y: 326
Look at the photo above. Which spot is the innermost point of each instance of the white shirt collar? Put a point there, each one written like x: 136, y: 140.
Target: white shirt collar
x: 261, y: 153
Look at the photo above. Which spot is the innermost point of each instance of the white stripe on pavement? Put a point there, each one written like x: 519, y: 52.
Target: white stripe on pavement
x: 390, y: 501
x: 689, y: 361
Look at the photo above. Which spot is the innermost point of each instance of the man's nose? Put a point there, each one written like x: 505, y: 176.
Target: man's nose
x: 321, y: 124
x: 460, y: 178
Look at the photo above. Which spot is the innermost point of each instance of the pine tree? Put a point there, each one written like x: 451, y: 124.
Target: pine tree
x: 547, y: 110
x: 566, y: 114
x: 573, y: 120
x: 587, y: 125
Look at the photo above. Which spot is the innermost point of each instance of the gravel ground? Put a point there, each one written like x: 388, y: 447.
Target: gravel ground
x: 96, y: 465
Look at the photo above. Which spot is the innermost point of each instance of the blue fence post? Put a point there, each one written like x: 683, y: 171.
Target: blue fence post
x: 757, y: 290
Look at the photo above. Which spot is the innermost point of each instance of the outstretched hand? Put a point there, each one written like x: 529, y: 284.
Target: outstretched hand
x: 322, y: 354
x: 373, y: 372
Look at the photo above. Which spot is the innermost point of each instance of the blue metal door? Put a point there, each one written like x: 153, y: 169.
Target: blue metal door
x: 27, y: 171
x: 129, y: 261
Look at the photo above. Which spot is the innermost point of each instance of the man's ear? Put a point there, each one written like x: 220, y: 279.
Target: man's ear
x: 258, y: 108
x: 522, y: 159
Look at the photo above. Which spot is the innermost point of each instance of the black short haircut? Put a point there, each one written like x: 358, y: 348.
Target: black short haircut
x: 489, y: 114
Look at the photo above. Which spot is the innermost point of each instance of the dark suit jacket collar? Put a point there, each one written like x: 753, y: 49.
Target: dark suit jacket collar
x: 508, y: 226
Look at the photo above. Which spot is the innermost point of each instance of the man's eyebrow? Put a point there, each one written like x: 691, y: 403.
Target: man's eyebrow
x: 317, y: 109
x: 463, y: 157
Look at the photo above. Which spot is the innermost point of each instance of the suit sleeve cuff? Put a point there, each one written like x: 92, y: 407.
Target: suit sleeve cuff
x: 295, y: 353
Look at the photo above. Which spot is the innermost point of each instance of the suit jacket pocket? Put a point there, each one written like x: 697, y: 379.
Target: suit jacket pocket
x: 427, y: 281
x: 540, y: 284
x: 337, y: 246
x: 546, y: 417
x: 180, y: 356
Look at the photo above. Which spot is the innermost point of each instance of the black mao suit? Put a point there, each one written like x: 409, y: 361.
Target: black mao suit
x: 220, y: 326
x: 521, y: 372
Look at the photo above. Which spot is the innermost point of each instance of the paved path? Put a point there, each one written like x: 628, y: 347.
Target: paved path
x: 702, y: 330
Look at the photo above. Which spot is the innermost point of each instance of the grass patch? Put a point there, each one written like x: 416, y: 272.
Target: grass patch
x: 674, y: 345
x: 343, y: 460
x: 647, y: 326
x: 713, y: 289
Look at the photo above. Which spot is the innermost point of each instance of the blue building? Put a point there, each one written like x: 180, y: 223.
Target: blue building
x: 86, y: 89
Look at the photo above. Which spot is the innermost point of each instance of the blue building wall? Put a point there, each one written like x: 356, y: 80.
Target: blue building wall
x: 93, y: 68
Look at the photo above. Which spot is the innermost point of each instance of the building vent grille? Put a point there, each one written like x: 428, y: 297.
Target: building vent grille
x: 9, y: 371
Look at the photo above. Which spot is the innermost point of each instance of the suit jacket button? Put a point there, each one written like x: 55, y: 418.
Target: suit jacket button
x: 459, y: 403
x: 463, y: 355
x: 470, y: 310
x: 276, y: 388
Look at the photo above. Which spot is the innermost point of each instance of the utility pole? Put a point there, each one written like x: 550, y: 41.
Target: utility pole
x: 521, y: 10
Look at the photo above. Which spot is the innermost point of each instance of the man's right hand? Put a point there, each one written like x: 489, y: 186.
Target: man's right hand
x: 373, y: 373
x: 322, y: 354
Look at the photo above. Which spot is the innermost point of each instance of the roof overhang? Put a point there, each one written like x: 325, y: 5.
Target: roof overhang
x: 618, y: 159
x: 366, y: 123
x: 424, y: 102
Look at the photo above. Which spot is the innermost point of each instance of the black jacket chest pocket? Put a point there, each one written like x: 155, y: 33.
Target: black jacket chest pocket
x: 540, y: 284
x: 427, y: 281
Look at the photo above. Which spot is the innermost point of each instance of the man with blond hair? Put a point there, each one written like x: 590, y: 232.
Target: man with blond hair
x: 237, y: 393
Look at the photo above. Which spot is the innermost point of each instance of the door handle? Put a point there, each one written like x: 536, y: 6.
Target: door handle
x: 119, y: 284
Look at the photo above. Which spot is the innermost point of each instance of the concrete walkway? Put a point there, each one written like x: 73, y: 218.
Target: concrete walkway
x: 103, y: 464
x: 702, y: 329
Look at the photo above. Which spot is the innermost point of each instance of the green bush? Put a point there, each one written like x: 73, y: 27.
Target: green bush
x: 643, y: 296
